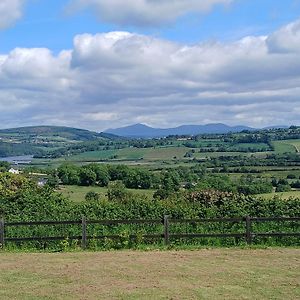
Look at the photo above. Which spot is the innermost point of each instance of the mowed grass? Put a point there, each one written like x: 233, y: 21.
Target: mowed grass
x: 202, y: 274
x: 77, y: 193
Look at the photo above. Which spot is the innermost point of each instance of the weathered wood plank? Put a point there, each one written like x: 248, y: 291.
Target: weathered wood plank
x: 206, y: 220
x: 166, y: 230
x: 248, y: 230
x: 2, y: 241
x: 84, y: 233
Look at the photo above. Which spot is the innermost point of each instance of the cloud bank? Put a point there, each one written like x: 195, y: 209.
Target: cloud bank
x: 119, y: 78
x: 143, y: 12
x: 10, y: 11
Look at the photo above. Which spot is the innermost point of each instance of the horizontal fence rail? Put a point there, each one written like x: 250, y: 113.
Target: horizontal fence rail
x: 167, y: 235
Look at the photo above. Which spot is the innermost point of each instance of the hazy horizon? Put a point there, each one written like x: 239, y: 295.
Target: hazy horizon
x: 154, y: 127
x: 99, y: 64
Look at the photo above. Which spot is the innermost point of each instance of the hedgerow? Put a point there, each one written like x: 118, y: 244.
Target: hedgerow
x: 23, y: 200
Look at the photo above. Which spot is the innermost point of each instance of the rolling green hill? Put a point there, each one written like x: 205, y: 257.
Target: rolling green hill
x: 36, y: 140
x: 53, y: 133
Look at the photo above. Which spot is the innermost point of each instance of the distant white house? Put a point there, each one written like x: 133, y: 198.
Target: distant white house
x: 41, y: 182
x: 13, y: 171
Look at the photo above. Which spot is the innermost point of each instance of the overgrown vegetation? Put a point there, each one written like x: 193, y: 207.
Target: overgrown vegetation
x: 23, y: 200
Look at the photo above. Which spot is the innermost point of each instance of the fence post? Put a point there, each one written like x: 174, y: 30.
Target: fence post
x: 2, y: 233
x: 166, y: 230
x: 84, y: 236
x: 248, y: 231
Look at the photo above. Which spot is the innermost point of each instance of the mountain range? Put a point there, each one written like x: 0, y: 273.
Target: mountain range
x: 52, y: 133
x: 144, y: 131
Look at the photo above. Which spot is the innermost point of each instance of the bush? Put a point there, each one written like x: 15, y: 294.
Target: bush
x: 22, y: 200
x: 283, y: 188
x: 117, y: 191
x: 291, y: 176
x: 92, y: 196
x: 296, y: 185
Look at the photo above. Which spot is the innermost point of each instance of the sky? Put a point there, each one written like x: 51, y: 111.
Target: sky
x: 99, y: 64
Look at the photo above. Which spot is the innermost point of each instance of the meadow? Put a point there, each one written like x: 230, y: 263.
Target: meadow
x: 130, y: 153
x: 281, y: 195
x: 271, y: 273
x: 77, y: 193
x: 286, y: 146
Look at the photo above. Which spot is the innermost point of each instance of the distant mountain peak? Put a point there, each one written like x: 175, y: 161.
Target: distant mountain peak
x: 144, y: 131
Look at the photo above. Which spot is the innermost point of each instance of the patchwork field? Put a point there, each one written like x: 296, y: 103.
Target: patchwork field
x: 143, y: 156
x: 168, y: 153
x: 202, y: 274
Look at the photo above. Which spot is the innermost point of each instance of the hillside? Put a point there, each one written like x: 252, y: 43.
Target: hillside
x: 37, y: 140
x: 49, y: 132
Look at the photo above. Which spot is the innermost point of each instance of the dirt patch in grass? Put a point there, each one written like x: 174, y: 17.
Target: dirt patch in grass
x: 201, y: 274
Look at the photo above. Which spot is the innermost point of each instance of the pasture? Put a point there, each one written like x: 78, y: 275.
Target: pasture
x: 282, y: 195
x: 295, y: 143
x: 201, y: 274
x: 129, y: 154
x: 77, y: 193
x: 286, y: 146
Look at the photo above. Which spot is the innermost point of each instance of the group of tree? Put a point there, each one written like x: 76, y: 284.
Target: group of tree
x: 165, y: 182
x: 4, y: 166
x: 101, y: 175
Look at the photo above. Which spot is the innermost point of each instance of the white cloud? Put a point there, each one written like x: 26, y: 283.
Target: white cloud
x: 119, y: 78
x: 287, y: 39
x: 143, y: 12
x: 10, y: 11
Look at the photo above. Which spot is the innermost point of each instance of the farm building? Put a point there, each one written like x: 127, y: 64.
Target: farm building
x: 13, y: 171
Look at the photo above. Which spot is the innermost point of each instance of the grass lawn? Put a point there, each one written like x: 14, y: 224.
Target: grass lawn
x: 202, y: 274
x: 77, y: 193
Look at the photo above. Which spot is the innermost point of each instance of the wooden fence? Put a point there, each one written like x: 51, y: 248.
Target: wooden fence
x: 166, y: 235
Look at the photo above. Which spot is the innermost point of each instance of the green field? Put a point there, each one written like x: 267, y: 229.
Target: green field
x: 149, y: 154
x: 203, y: 274
x: 77, y: 193
x: 202, y: 155
x: 295, y: 143
x: 129, y: 154
x: 91, y: 156
x: 282, y: 195
x: 168, y: 153
x: 285, y: 146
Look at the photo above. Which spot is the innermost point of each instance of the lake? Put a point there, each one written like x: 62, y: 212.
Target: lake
x: 23, y: 159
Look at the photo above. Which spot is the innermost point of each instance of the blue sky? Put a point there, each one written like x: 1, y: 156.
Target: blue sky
x: 46, y: 23
x: 98, y: 64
